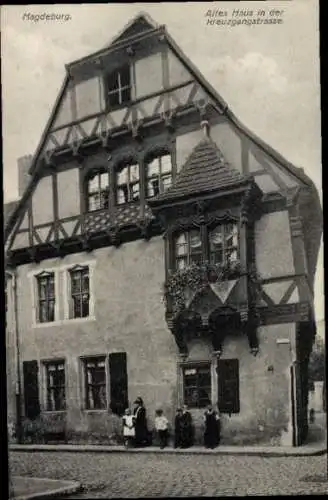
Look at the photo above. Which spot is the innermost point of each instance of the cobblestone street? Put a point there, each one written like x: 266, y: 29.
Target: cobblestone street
x: 117, y: 475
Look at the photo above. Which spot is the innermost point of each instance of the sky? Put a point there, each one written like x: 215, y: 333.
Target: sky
x: 268, y: 74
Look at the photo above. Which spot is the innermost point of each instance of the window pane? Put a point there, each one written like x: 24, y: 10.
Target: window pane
x: 135, y: 191
x: 93, y: 184
x: 153, y: 188
x: 167, y: 182
x: 43, y: 312
x: 104, y: 199
x: 104, y: 180
x: 85, y: 280
x: 122, y: 176
x: 181, y: 263
x: 94, y: 202
x: 195, y: 241
x: 43, y: 282
x: 182, y: 249
x: 232, y: 255
x: 112, y: 81
x: 216, y: 238
x: 166, y: 164
x: 85, y: 306
x: 76, y: 282
x: 51, y: 310
x: 153, y: 168
x: 121, y: 196
x: 134, y: 173
x: 125, y: 76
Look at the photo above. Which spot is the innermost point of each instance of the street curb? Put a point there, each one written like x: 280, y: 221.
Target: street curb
x: 71, y: 487
x: 242, y: 451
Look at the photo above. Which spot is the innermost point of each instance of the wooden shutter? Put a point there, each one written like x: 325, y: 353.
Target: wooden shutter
x: 31, y: 389
x: 118, y: 382
x: 228, y: 380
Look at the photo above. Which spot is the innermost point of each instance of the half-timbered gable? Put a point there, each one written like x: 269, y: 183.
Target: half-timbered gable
x: 158, y: 236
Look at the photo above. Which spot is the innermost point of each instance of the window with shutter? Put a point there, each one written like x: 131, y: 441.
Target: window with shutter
x: 31, y: 389
x: 118, y: 382
x: 228, y: 380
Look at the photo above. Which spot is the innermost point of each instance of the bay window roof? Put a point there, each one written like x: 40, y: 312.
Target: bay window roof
x: 204, y: 171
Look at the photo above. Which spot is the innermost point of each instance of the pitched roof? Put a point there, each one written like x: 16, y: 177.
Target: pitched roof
x: 218, y: 103
x: 142, y: 22
x: 204, y: 171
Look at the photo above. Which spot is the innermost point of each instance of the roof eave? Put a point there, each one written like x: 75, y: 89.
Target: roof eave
x: 188, y: 198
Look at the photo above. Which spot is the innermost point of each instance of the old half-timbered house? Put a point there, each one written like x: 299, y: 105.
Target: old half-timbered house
x: 162, y: 250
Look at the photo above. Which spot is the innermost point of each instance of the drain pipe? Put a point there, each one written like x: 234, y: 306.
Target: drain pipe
x: 13, y: 278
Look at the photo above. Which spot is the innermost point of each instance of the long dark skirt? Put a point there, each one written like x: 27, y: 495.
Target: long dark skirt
x: 212, y: 432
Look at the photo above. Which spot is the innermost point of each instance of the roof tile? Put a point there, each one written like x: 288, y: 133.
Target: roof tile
x: 205, y: 170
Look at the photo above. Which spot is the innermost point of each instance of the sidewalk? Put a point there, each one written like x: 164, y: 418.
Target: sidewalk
x: 318, y: 448
x: 28, y: 488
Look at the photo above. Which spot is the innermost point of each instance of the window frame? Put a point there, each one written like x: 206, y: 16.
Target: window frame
x: 71, y: 271
x: 122, y: 165
x: 38, y: 277
x: 45, y: 366
x: 196, y: 365
x: 223, y: 225
x: 187, y: 256
x: 149, y: 158
x: 98, y: 172
x: 101, y: 358
x: 120, y: 89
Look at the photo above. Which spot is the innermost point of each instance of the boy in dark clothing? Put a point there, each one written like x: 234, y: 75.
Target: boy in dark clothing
x: 177, y: 428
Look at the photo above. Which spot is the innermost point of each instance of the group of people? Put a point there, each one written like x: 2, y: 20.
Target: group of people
x: 136, y: 433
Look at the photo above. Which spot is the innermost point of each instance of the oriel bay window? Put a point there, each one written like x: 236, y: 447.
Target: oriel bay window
x: 55, y: 386
x: 158, y: 175
x: 95, y: 391
x: 197, y: 385
x: 219, y: 245
x: 80, y: 293
x: 97, y: 191
x: 46, y: 297
x: 128, y: 184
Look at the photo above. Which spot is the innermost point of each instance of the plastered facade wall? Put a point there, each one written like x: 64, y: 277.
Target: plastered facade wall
x: 273, y: 246
x: 264, y: 387
x: 148, y: 75
x: 129, y: 316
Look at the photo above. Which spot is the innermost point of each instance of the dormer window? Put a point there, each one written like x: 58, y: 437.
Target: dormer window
x: 118, y: 87
x: 128, y: 184
x: 158, y: 175
x: 98, y: 191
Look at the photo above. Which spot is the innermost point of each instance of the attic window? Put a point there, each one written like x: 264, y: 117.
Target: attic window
x: 118, y: 87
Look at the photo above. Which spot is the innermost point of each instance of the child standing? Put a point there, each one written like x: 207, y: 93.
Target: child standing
x: 161, y: 426
x: 128, y: 428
